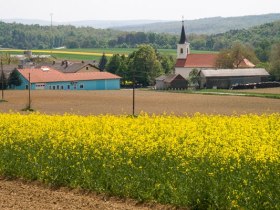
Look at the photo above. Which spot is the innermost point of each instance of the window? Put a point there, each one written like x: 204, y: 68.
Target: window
x: 26, y: 87
x: 53, y: 87
x: 57, y: 87
x: 68, y: 87
x: 81, y: 86
x: 87, y: 68
x: 182, y: 51
x: 61, y: 87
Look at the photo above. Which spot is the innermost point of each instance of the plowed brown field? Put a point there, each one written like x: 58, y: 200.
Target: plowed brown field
x: 120, y: 102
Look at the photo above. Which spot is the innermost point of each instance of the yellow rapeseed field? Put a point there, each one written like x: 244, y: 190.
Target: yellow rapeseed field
x: 61, y: 52
x: 200, y: 161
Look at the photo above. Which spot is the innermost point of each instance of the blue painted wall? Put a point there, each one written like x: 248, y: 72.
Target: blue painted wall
x: 107, y: 84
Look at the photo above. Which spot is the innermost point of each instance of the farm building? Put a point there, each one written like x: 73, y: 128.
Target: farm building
x: 50, y: 79
x: 225, y: 78
x: 72, y: 67
x: 186, y: 61
x: 175, y: 81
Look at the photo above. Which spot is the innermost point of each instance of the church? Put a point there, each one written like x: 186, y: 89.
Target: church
x: 186, y: 61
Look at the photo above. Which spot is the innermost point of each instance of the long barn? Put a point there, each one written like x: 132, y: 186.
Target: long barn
x: 225, y: 78
x: 46, y: 78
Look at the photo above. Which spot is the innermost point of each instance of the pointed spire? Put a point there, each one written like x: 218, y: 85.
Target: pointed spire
x: 183, y: 38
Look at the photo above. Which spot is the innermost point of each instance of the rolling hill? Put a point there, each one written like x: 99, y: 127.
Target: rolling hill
x: 212, y: 25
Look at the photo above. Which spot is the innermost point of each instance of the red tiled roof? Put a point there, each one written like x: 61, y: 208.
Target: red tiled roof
x: 51, y: 75
x: 206, y: 61
x: 198, y: 60
x: 246, y: 64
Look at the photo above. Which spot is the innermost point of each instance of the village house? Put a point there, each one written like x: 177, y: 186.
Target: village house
x: 172, y: 81
x: 46, y: 78
x: 66, y: 66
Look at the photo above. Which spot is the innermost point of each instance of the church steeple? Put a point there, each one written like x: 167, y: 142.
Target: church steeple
x: 183, y: 38
x: 183, y: 48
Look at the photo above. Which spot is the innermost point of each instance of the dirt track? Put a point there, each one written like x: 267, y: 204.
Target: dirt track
x: 18, y: 195
x: 120, y: 102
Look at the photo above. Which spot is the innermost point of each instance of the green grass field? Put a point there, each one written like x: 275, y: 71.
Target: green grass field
x: 231, y: 93
x: 90, y: 53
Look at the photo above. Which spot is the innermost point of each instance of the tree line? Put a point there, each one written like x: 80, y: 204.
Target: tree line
x: 260, y: 38
x: 12, y: 35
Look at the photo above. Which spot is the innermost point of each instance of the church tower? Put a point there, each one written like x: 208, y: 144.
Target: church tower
x: 183, y: 48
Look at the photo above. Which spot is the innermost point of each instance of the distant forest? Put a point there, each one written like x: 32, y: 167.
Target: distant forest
x: 212, y: 25
x: 13, y: 35
x: 260, y: 38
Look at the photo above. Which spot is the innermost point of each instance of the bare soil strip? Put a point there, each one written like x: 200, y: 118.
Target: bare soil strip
x: 18, y: 195
x: 119, y: 102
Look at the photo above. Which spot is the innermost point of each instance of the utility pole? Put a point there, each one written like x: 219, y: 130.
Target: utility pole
x: 51, y: 14
x: 133, y: 95
x: 2, y: 79
x: 29, y: 92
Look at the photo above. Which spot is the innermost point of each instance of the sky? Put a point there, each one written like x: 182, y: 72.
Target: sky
x: 73, y: 10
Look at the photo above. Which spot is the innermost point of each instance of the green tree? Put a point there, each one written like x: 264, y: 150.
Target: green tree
x: 3, y: 81
x: 114, y: 63
x: 194, y: 77
x: 232, y: 58
x: 275, y: 61
x: 102, y: 62
x: 224, y: 60
x: 144, y: 66
x: 239, y: 52
x: 123, y: 69
x: 167, y: 63
x: 14, y: 79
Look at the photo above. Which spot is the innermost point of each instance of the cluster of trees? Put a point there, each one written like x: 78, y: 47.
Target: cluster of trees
x: 141, y: 66
x: 260, y: 38
x: 274, y: 64
x: 232, y: 57
x: 163, y: 41
x: 12, y: 81
x: 13, y: 35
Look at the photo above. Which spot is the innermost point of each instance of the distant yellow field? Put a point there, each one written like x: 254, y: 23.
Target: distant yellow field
x: 60, y: 52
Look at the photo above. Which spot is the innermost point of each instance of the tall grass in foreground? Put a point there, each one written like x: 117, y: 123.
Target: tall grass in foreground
x: 202, y: 162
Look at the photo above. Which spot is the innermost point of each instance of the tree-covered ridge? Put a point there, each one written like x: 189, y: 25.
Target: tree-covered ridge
x: 208, y: 26
x: 261, y: 38
x: 13, y: 35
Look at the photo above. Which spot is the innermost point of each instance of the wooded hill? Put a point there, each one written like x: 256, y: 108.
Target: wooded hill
x: 260, y: 38
x: 22, y: 36
x: 14, y: 35
x: 212, y: 25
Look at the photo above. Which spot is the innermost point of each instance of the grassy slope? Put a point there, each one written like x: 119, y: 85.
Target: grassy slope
x: 231, y: 93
